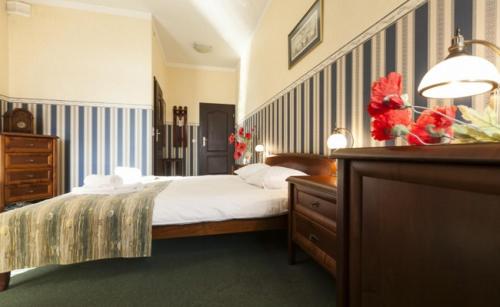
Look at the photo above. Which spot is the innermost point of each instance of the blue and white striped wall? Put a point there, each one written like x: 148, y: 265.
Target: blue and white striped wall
x: 188, y: 154
x: 336, y: 93
x: 92, y: 139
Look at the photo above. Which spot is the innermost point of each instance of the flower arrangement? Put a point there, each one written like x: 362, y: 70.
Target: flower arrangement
x: 242, y: 141
x: 392, y: 117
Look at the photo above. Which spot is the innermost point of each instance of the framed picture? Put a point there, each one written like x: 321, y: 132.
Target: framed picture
x: 307, y: 34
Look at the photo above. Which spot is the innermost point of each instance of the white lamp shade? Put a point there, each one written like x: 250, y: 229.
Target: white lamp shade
x: 459, y: 76
x: 336, y: 141
x: 259, y: 148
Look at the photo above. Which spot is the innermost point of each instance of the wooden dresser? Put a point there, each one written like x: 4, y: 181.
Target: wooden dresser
x: 28, y: 168
x: 419, y: 226
x: 312, y: 219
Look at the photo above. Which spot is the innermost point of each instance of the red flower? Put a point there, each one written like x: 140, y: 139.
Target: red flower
x: 383, y: 125
x: 231, y: 138
x: 241, y: 131
x: 432, y: 126
x: 381, y: 129
x: 419, y: 136
x: 237, y: 155
x: 444, y: 116
x: 248, y: 136
x: 241, y: 147
x: 386, y: 94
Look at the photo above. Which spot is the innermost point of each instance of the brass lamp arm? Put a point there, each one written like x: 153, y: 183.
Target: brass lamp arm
x: 488, y: 44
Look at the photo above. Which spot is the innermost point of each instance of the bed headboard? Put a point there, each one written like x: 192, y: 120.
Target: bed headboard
x: 307, y: 163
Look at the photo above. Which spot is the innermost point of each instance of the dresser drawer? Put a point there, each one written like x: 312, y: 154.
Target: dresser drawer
x: 27, y: 144
x: 27, y: 192
x: 306, y: 230
x: 323, y: 206
x: 28, y: 160
x: 16, y: 176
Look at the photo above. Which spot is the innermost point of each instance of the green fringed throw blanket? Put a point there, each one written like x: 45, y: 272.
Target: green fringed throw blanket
x: 77, y: 228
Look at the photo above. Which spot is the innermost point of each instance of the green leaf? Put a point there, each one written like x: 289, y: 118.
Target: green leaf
x: 484, y: 126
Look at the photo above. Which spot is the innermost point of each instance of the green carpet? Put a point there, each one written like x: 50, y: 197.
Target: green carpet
x: 229, y: 270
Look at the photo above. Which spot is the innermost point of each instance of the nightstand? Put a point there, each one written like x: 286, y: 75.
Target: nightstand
x: 312, y: 219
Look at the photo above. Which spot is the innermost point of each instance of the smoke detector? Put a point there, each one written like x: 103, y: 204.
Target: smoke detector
x: 19, y: 8
x: 202, y: 48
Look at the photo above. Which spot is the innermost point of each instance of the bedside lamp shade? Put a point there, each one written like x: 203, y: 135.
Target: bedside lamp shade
x: 340, y: 138
x: 259, y: 148
x: 336, y: 141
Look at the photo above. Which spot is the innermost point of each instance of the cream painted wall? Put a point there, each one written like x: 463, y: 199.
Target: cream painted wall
x: 4, y: 68
x: 264, y: 69
x: 75, y: 55
x: 190, y: 86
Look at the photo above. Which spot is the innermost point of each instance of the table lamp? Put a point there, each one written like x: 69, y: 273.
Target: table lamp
x: 461, y: 74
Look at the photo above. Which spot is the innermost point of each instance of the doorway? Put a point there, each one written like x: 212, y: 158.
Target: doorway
x: 215, y: 152
x: 159, y: 140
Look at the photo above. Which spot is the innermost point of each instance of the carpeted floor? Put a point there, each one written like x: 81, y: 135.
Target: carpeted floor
x: 228, y: 270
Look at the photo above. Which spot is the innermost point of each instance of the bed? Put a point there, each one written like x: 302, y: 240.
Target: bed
x: 309, y: 164
x: 176, y: 213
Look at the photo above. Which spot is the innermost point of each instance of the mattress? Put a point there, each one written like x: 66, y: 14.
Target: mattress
x: 189, y: 200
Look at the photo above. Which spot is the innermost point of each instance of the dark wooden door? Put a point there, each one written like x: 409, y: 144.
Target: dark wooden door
x: 159, y: 141
x: 215, y: 153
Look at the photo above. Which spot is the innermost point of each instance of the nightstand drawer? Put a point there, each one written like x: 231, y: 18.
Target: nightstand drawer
x: 312, y: 219
x: 320, y: 237
x: 326, y: 207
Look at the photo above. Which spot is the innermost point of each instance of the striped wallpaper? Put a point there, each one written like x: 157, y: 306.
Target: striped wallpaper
x: 300, y: 118
x: 92, y: 139
x: 188, y: 154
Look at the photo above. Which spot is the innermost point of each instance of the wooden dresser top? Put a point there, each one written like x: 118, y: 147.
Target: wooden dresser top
x: 28, y: 135
x: 484, y: 153
x: 324, y: 182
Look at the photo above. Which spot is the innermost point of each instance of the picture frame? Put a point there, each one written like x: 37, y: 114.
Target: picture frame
x: 306, y: 35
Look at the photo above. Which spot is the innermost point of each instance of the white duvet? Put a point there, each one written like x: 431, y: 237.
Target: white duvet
x: 190, y: 200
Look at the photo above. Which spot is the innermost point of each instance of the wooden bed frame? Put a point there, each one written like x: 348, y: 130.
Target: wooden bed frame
x: 309, y: 164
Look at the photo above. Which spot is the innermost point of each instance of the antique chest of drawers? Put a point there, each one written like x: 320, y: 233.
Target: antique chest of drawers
x: 312, y: 224
x: 28, y: 167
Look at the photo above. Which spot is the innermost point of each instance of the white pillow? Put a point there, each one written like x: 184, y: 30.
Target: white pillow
x: 275, y: 177
x: 128, y: 174
x: 257, y: 179
x: 250, y: 169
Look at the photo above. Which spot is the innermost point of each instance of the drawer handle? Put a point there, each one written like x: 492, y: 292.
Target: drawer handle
x: 30, y: 176
x: 31, y: 191
x: 316, y: 204
x: 31, y: 144
x: 31, y: 160
x: 313, y: 238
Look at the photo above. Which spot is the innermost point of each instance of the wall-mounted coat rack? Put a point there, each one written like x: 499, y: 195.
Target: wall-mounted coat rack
x: 180, y: 126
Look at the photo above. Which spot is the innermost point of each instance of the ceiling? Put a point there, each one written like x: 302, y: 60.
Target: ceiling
x: 226, y: 25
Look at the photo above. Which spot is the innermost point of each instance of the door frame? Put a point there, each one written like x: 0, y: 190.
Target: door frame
x: 158, y: 168
x: 230, y: 148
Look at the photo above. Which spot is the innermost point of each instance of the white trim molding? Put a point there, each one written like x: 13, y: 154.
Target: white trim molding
x: 93, y: 8
x: 76, y: 103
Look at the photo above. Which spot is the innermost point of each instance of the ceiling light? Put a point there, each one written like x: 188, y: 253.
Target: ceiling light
x: 202, y: 48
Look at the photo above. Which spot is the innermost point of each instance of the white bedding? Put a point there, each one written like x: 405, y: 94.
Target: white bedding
x: 190, y: 200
